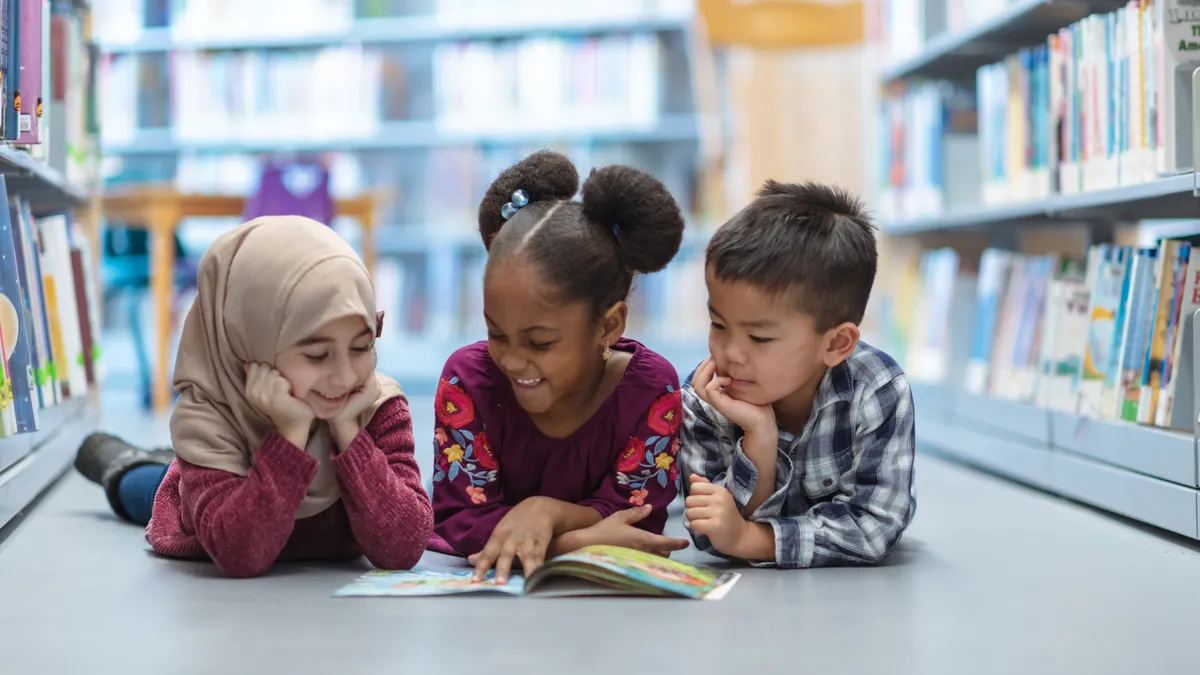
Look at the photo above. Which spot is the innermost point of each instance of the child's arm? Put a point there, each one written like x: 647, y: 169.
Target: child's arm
x: 645, y: 470
x: 468, y: 497
x: 861, y: 523
x: 388, y: 509
x: 243, y: 523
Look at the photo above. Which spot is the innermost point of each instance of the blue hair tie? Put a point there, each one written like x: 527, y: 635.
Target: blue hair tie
x: 519, y: 199
x: 616, y: 230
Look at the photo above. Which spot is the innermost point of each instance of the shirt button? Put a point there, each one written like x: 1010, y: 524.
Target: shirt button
x: 827, y: 482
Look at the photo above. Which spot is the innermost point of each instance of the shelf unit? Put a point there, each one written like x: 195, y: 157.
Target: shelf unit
x: 425, y: 234
x: 31, y: 462
x: 1148, y: 474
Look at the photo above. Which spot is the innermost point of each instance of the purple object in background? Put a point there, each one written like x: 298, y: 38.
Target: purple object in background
x: 294, y: 187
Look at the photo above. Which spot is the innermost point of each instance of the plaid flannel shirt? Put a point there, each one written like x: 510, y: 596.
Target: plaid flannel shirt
x: 843, y: 488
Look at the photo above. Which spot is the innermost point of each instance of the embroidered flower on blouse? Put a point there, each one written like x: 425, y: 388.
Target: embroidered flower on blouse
x: 631, y: 457
x: 664, y: 461
x: 666, y: 414
x: 483, y: 452
x: 439, y: 435
x: 477, y: 496
x: 639, y: 497
x: 452, y: 405
x: 453, y: 453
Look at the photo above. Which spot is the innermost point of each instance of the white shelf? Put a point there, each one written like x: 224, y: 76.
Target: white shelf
x: 46, y: 454
x: 1144, y: 473
x: 1170, y: 197
x: 399, y: 30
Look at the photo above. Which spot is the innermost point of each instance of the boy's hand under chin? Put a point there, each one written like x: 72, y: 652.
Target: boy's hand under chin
x: 753, y: 419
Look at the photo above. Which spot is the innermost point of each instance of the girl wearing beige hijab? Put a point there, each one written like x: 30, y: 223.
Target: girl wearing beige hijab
x: 287, y: 443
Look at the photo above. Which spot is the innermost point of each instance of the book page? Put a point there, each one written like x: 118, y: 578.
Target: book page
x: 637, y: 569
x: 417, y: 583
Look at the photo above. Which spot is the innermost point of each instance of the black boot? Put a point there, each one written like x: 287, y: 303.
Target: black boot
x: 105, y: 459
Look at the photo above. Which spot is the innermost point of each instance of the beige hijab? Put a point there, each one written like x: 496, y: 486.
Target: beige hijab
x: 263, y: 287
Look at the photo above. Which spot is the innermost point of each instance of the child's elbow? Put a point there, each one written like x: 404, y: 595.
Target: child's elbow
x: 243, y: 569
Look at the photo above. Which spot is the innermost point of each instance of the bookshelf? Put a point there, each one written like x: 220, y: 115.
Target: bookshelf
x: 48, y: 235
x: 1040, y: 416
x: 422, y: 100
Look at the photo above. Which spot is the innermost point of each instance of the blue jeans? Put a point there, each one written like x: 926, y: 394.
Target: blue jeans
x: 137, y: 489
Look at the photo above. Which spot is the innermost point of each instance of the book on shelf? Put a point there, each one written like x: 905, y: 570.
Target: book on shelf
x: 1100, y: 104
x: 34, y: 314
x: 29, y: 94
x: 19, y: 349
x: 1101, y: 337
x: 590, y: 571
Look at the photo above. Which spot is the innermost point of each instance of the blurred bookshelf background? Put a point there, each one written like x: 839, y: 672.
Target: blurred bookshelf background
x: 416, y: 105
x: 1033, y: 175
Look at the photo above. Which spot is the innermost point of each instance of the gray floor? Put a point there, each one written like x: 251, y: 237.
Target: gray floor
x: 991, y: 578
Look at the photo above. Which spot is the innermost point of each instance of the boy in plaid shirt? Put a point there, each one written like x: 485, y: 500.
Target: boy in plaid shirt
x: 797, y: 443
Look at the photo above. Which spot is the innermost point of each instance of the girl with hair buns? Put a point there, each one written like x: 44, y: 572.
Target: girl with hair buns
x: 287, y: 442
x: 557, y: 432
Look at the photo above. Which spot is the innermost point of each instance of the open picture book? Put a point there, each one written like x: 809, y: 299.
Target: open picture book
x: 592, y: 570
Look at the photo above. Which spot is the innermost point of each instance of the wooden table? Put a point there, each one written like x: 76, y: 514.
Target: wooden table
x: 160, y: 210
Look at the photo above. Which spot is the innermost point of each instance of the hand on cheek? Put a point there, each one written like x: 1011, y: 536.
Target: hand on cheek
x: 269, y: 392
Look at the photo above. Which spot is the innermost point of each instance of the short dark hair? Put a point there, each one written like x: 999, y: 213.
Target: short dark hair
x: 626, y: 223
x: 811, y: 239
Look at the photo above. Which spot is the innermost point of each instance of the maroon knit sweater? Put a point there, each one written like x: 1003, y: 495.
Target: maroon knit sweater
x: 245, y: 523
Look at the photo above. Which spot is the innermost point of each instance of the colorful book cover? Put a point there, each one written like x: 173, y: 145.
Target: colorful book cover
x: 1058, y: 386
x: 31, y: 250
x: 18, y: 334
x: 994, y: 268
x: 1136, y: 338
x: 1189, y: 302
x: 12, y: 89
x: 32, y: 307
x: 56, y: 264
x: 32, y: 12
x: 1173, y: 318
x: 1166, y: 274
x: 85, y: 322
x: 1102, y: 312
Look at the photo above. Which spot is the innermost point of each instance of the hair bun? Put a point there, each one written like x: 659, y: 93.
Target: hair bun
x: 545, y: 175
x: 649, y: 220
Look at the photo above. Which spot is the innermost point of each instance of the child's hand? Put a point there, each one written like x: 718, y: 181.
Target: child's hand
x: 757, y: 419
x: 712, y: 512
x: 345, y: 425
x: 618, y: 530
x: 524, y: 533
x: 268, y: 391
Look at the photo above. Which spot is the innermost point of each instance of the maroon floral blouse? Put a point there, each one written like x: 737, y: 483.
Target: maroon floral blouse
x: 490, y: 456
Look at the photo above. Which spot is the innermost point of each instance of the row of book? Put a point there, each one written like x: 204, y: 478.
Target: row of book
x: 440, y: 187
x: 547, y: 83
x: 49, y: 315
x: 542, y: 85
x: 1100, y: 104
x: 1101, y: 336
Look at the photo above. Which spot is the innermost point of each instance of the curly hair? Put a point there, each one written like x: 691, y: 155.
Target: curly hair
x: 627, y: 223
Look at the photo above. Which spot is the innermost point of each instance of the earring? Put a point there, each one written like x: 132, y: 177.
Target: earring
x: 607, y: 353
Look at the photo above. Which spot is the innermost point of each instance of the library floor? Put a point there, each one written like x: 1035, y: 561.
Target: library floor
x: 991, y: 578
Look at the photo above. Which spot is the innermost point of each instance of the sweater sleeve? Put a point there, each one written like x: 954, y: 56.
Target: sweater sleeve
x: 388, y: 508
x: 645, y: 471
x: 468, y: 500
x: 243, y: 523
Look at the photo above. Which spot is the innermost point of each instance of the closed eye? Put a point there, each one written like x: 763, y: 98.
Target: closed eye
x: 717, y: 326
x: 540, y: 346
x: 317, y: 358
x: 494, y: 336
x: 761, y: 340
